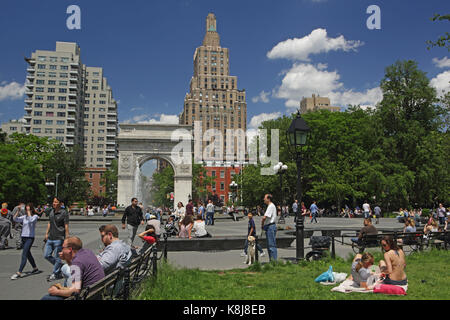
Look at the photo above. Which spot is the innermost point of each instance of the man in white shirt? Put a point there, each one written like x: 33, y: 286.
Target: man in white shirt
x: 366, y: 208
x: 269, y: 225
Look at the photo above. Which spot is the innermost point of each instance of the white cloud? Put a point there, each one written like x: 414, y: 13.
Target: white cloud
x: 146, y: 119
x: 316, y: 42
x: 136, y: 109
x: 441, y: 82
x: 262, y: 97
x: 303, y: 80
x: 256, y: 121
x: 442, y: 63
x: 12, y: 90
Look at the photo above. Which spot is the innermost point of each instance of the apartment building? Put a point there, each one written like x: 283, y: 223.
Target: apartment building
x: 13, y: 126
x: 72, y: 103
x: 317, y: 103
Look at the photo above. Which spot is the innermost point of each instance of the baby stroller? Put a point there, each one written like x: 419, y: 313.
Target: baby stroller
x: 319, y: 245
x: 170, y: 230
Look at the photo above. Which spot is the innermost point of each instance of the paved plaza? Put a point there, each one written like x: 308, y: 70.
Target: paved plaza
x: 35, y: 286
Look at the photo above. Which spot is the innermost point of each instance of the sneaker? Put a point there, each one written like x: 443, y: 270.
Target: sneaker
x: 262, y: 254
x: 16, y: 276
x: 35, y: 271
x: 243, y: 254
x: 54, y: 277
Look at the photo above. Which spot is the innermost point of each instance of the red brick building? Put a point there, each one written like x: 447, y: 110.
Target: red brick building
x: 94, y: 176
x: 221, y: 185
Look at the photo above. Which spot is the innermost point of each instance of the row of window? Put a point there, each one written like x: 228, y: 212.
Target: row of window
x: 50, y: 122
x: 53, y: 59
x: 50, y: 105
x: 52, y: 74
x: 86, y: 109
x: 60, y: 90
x: 49, y: 114
x: 52, y: 82
x: 94, y: 102
x: 101, y: 116
x: 48, y: 130
x: 52, y: 67
x: 51, y: 98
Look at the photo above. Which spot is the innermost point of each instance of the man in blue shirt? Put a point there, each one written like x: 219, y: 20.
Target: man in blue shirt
x: 314, y: 209
x: 201, y: 210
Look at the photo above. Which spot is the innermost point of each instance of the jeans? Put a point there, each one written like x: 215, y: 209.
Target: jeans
x: 366, y: 214
x: 66, y: 273
x: 271, y: 233
x: 355, y: 240
x: 258, y: 247
x: 51, y: 253
x: 314, y: 216
x: 131, y: 233
x: 209, y: 218
x: 49, y: 297
x: 26, y: 253
x: 441, y: 220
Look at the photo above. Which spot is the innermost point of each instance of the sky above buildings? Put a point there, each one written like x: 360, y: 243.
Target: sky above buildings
x: 279, y: 50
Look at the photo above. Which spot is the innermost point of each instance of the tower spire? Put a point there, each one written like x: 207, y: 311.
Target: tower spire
x: 212, y: 38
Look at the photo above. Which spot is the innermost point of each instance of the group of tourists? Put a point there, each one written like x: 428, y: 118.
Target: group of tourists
x: 78, y: 266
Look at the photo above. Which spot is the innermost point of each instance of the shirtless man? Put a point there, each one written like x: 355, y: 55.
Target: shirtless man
x: 394, y: 259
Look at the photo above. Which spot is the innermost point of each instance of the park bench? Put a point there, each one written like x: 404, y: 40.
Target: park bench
x: 118, y: 283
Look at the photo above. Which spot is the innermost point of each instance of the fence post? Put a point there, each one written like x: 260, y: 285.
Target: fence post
x: 333, y: 250
x: 155, y: 261
x: 126, y: 284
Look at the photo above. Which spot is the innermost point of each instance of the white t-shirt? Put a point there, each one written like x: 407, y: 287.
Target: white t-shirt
x: 271, y: 214
x: 199, y: 228
x: 366, y: 207
x: 181, y: 212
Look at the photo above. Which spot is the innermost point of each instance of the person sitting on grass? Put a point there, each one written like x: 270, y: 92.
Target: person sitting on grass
x: 360, y: 269
x: 186, y: 227
x: 394, y: 259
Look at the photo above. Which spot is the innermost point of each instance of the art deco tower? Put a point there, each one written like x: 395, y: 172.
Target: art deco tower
x: 214, y: 98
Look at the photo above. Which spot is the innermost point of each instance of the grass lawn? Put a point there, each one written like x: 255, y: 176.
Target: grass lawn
x: 427, y: 272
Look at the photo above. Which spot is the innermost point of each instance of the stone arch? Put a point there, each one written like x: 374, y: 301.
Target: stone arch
x: 139, y: 143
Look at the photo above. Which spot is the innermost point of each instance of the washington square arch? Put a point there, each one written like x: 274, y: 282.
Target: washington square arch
x: 139, y: 143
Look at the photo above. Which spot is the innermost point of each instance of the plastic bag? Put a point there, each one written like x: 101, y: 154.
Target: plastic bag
x: 326, y: 276
x: 339, y: 277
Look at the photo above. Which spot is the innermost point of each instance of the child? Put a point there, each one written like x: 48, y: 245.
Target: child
x: 251, y: 232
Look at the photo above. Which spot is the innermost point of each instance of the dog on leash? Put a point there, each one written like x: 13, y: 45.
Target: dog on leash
x: 251, y: 249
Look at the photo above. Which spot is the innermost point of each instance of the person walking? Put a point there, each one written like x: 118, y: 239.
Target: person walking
x: 5, y: 226
x: 190, y: 208
x: 16, y: 231
x: 377, y: 211
x: 57, y: 231
x: 441, y: 214
x: 314, y: 209
x: 269, y: 226
x: 295, y: 209
x: 133, y: 216
x: 28, y: 222
x: 210, y: 213
x: 366, y: 208
x: 201, y: 210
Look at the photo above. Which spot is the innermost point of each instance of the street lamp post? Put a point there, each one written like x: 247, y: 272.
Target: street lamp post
x: 56, y: 191
x: 297, y: 135
x: 281, y: 169
x: 233, y: 187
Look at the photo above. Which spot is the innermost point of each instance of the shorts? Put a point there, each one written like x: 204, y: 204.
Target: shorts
x: 395, y: 283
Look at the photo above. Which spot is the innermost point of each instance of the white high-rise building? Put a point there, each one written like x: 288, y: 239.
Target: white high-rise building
x: 72, y: 103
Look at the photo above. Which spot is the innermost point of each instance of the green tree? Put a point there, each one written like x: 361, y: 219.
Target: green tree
x: 109, y: 182
x: 69, y: 165
x: 444, y: 40
x: 20, y: 179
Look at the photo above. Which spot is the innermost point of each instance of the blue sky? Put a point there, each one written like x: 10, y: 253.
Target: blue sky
x: 146, y: 49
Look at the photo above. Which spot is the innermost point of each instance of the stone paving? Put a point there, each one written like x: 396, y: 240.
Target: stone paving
x: 35, y: 286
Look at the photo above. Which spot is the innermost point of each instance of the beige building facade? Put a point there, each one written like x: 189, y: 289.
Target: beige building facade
x: 13, y: 126
x: 317, y: 103
x: 214, y: 98
x: 58, y: 86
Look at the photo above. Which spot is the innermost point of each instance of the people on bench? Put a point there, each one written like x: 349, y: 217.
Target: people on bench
x: 117, y: 253
x: 85, y: 269
x: 368, y: 229
x: 185, y: 227
x: 199, y: 228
